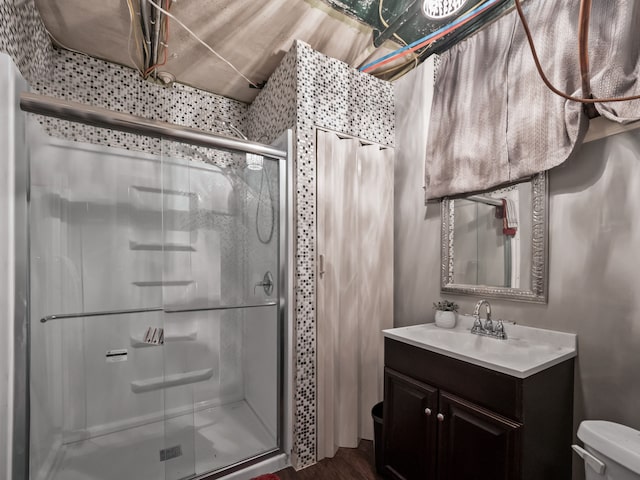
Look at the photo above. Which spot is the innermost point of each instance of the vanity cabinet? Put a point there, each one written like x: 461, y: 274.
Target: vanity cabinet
x: 408, y: 432
x: 447, y: 419
x: 476, y: 443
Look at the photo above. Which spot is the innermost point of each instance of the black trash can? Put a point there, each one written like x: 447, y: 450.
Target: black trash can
x: 376, y: 413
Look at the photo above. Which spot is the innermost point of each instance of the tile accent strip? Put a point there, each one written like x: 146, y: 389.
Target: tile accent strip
x: 310, y: 90
x: 24, y: 37
x: 87, y: 80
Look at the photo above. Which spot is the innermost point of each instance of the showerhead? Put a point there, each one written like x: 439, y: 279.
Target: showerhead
x: 254, y: 162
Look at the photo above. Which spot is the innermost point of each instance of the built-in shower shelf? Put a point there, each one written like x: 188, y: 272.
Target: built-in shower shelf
x: 157, y: 383
x: 169, y: 247
x: 138, y: 342
x: 163, y: 283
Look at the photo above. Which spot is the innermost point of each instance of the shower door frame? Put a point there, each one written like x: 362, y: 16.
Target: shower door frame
x: 103, y: 118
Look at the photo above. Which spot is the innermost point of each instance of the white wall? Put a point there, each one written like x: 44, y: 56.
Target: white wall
x: 414, y: 232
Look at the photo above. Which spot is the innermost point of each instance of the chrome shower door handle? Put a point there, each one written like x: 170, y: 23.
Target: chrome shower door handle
x: 321, y: 270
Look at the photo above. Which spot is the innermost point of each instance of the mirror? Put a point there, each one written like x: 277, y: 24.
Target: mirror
x: 494, y: 244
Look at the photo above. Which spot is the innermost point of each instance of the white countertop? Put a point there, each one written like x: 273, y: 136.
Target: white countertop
x: 526, y: 351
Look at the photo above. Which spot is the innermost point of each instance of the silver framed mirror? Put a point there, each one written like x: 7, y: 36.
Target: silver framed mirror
x: 495, y: 244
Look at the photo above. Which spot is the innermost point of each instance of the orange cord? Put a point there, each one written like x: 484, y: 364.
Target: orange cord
x: 544, y: 78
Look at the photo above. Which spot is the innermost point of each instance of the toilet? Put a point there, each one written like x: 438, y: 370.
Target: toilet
x: 611, y: 451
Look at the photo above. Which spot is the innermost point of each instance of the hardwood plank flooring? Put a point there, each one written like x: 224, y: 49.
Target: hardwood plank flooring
x: 348, y: 464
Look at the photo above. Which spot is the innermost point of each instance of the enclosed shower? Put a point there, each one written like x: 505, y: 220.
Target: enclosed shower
x: 157, y: 309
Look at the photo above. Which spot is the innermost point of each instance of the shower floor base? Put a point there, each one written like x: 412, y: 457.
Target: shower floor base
x: 196, y: 443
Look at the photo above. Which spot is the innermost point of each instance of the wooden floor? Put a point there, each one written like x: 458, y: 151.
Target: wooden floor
x: 349, y: 463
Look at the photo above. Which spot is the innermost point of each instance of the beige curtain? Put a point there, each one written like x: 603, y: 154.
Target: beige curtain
x: 493, y: 120
x: 354, y: 285
x: 614, y: 56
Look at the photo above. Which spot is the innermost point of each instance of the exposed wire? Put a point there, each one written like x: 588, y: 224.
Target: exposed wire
x: 395, y: 68
x: 398, y: 37
x: 133, y: 31
x: 146, y: 40
x: 148, y: 71
x: 544, y: 78
x: 196, y: 37
x: 583, y: 53
x: 165, y: 45
x: 402, y: 69
x: 583, y: 43
x: 432, y: 37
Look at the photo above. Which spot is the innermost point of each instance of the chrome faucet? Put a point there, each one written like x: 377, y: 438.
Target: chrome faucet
x: 488, y: 329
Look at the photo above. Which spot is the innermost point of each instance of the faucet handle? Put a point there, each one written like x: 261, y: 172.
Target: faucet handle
x: 488, y: 324
x: 499, y: 330
x: 477, y: 325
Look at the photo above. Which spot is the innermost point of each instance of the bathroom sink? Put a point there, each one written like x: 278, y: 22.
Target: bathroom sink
x: 526, y: 350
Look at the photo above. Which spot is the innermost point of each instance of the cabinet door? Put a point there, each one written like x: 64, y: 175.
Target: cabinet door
x: 410, y: 428
x: 475, y: 443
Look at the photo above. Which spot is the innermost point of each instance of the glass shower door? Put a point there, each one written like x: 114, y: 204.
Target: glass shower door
x: 93, y: 228
x: 155, y: 331
x: 221, y: 309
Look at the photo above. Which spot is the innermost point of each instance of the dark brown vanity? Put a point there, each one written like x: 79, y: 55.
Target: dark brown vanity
x: 449, y: 419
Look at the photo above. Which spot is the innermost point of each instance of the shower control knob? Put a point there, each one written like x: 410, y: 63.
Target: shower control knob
x: 427, y: 411
x: 266, y: 284
x: 440, y: 417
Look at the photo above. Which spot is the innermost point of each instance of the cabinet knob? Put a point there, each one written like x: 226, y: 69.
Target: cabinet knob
x: 427, y: 411
x: 440, y: 417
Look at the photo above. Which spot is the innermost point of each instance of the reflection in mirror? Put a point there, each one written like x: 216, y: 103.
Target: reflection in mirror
x: 494, y: 243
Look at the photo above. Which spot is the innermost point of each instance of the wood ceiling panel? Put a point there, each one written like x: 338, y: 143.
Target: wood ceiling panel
x: 253, y: 35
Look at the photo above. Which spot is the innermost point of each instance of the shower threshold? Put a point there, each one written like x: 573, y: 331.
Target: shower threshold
x: 193, y: 444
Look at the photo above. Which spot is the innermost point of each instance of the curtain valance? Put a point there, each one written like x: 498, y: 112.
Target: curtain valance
x: 493, y: 120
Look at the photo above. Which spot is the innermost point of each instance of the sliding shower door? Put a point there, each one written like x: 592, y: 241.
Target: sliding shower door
x: 91, y: 305
x: 221, y: 309
x: 156, y: 319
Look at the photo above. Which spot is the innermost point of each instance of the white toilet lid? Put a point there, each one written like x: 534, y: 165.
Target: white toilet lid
x: 618, y: 442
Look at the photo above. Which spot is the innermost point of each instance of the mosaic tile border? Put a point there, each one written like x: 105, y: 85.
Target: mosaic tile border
x: 334, y: 96
x: 24, y: 37
x: 311, y: 90
x: 79, y: 78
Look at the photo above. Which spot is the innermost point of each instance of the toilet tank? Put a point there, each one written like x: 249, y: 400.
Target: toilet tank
x: 612, y: 450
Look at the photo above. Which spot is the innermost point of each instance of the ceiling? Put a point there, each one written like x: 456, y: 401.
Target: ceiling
x: 253, y: 35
